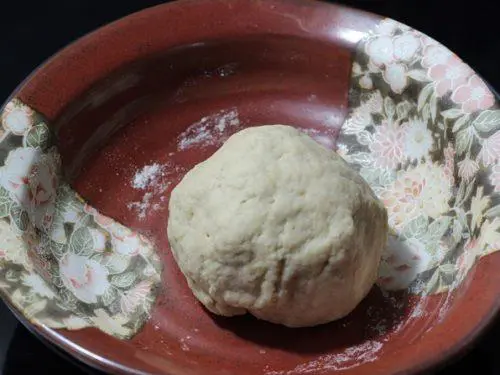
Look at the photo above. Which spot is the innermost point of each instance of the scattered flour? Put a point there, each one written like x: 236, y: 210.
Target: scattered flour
x: 210, y: 130
x: 141, y: 207
x: 349, y: 358
x: 154, y: 180
x: 149, y: 174
x: 184, y: 343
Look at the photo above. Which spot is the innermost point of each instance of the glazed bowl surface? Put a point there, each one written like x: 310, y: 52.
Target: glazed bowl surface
x: 93, y: 142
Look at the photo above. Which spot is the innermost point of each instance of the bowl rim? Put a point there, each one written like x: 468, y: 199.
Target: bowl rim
x: 66, y: 345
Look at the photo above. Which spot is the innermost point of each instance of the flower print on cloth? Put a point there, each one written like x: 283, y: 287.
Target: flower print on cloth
x: 449, y: 75
x: 64, y: 264
x: 84, y: 277
x: 424, y: 132
x: 418, y: 140
x: 30, y: 176
x: 390, y: 53
x: 421, y: 189
x: 17, y: 118
x: 387, y: 146
x: 403, y: 261
x: 473, y: 96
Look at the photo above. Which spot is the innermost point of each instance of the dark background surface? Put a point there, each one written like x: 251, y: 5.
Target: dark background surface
x: 31, y: 31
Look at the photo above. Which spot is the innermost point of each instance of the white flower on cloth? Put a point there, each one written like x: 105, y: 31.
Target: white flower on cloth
x: 385, y: 49
x: 417, y: 139
x: 111, y: 324
x: 387, y: 145
x: 15, y: 174
x: 31, y: 178
x: 395, y: 76
x: 391, y: 54
x: 406, y: 46
x: 490, y: 151
x: 17, y: 117
x: 380, y: 50
x: 474, y: 95
x: 467, y: 169
x: 38, y: 285
x: 402, y: 261
x: 124, y: 241
x: 421, y: 190
x: 84, y: 277
x: 388, y: 26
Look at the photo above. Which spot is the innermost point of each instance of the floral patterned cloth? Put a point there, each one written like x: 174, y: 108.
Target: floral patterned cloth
x: 63, y: 264
x: 424, y: 131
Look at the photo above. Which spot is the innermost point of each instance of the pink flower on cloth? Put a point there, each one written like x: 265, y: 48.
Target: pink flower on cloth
x: 387, y: 146
x: 435, y: 54
x: 449, y: 75
x: 474, y: 95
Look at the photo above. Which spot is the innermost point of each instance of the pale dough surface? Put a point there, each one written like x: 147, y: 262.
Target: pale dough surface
x: 276, y: 225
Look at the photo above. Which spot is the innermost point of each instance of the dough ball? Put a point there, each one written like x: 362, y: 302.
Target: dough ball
x: 276, y: 225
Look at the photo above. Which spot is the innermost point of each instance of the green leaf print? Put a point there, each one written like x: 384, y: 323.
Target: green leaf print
x: 37, y: 136
x: 81, y: 242
x: 5, y: 202
x: 416, y: 228
x: 123, y: 280
x: 437, y: 229
x: 19, y: 217
x: 487, y: 121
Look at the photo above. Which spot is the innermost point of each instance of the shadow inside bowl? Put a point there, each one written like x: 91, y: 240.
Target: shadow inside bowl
x: 377, y: 315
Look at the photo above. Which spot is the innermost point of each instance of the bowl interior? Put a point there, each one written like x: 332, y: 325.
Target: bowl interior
x: 174, y: 110
x: 166, y: 110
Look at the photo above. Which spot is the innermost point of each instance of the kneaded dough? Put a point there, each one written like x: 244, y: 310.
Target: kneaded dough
x: 276, y: 225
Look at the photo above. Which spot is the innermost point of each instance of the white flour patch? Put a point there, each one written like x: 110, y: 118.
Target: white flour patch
x: 349, y: 358
x: 149, y: 174
x: 210, y: 130
x: 141, y: 207
x: 153, y: 180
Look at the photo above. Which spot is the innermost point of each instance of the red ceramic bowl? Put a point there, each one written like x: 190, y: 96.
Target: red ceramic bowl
x: 95, y: 139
